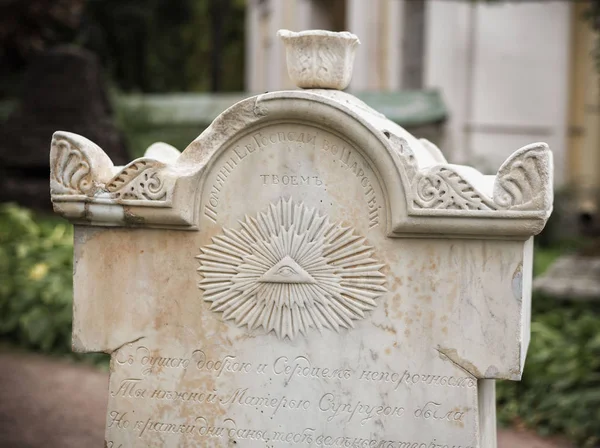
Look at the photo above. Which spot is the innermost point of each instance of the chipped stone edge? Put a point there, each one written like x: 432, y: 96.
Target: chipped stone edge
x: 86, y: 188
x: 424, y: 195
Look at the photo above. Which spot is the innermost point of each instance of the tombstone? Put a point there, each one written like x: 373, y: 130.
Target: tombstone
x: 62, y: 88
x: 573, y: 277
x: 305, y: 273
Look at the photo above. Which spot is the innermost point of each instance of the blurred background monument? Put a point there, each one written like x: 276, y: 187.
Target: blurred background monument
x: 63, y: 87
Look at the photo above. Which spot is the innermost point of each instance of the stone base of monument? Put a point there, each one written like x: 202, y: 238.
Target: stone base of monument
x: 304, y: 273
x: 571, y: 277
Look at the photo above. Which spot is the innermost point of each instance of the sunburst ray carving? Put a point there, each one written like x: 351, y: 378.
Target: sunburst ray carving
x: 290, y: 269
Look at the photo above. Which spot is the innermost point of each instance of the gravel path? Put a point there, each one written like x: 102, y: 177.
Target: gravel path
x: 51, y: 403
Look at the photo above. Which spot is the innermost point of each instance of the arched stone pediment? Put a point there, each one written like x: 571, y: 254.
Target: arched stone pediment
x: 421, y: 192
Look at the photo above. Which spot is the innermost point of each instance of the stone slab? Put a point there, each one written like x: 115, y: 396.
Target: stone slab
x: 573, y: 277
x: 199, y: 357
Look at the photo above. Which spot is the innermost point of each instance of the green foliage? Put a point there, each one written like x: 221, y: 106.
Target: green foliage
x: 560, y: 389
x: 592, y: 15
x: 162, y: 46
x: 145, y: 46
x: 232, y: 54
x: 36, y: 281
x: 544, y: 258
x: 140, y: 132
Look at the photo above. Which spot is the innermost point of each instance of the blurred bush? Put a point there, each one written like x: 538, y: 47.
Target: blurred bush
x: 149, y: 46
x: 36, y: 281
x: 560, y: 389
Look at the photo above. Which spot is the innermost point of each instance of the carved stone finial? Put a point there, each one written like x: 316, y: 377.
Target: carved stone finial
x: 318, y: 59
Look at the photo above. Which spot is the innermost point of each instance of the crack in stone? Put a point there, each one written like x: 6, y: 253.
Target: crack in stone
x: 111, y: 351
x: 452, y: 356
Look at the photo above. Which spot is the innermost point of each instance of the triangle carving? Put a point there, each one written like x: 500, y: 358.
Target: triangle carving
x: 287, y: 271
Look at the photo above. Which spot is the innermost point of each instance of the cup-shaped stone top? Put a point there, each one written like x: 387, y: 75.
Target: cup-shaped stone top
x: 318, y: 59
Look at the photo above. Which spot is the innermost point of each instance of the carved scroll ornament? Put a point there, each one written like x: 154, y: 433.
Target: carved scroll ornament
x: 79, y: 167
x: 139, y: 180
x: 523, y: 182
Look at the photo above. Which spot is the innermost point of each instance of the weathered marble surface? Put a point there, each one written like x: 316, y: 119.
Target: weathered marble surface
x: 305, y: 273
x: 426, y: 341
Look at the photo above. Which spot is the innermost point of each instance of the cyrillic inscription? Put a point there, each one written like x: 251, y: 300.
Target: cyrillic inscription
x: 343, y: 156
x: 291, y: 179
x: 289, y: 368
x: 240, y: 152
x: 332, y: 407
x: 203, y: 427
x: 409, y: 379
x: 241, y: 397
x: 350, y: 162
x: 309, y: 389
x: 301, y: 367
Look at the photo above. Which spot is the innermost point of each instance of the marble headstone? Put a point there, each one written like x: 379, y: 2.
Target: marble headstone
x: 305, y: 273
